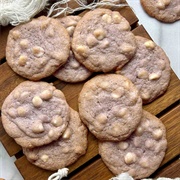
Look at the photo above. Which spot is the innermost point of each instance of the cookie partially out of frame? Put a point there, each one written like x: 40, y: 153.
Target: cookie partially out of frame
x: 110, y: 106
x: 38, y: 48
x: 102, y: 40
x: 149, y: 70
x: 72, y: 71
x: 139, y: 155
x: 35, y: 113
x: 63, y: 152
x: 164, y: 10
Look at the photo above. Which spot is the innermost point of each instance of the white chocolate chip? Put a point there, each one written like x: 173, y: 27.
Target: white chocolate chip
x: 57, y: 55
x: 71, y: 23
x: 21, y: 111
x: 57, y: 121
x: 98, y: 126
x: 91, y: 40
x: 126, y: 84
x: 145, y: 95
x: 22, y: 60
x: 149, y: 143
x: 44, y: 157
x: 12, y: 112
x: 117, y: 93
x: 32, y: 156
x: 104, y: 44
x: 99, y: 34
x: 116, y: 17
x: 57, y: 93
x: 67, y: 134
x: 44, y: 24
x: 123, y: 145
x: 74, y: 64
x: 37, y: 101
x: 104, y: 84
x: 16, y: 34
x: 24, y: 43
x: 142, y: 74
x: 101, y: 118
x: 24, y: 95
x: 107, y: 18
x: 115, y: 131
x: 126, y: 48
x: 82, y: 50
x: 79, y: 150
x: 38, y: 128
x: 144, y: 162
x: 122, y: 112
x: 70, y: 30
x: 46, y: 95
x: 154, y: 76
x: 125, y: 26
x: 51, y: 133
x: 160, y: 4
x: 157, y: 134
x: 38, y: 51
x: 166, y: 2
x: 139, y: 131
x: 130, y: 158
x: 65, y: 150
x: 149, y: 44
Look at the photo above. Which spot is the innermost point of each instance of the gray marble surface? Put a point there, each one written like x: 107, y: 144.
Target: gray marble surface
x: 165, y: 35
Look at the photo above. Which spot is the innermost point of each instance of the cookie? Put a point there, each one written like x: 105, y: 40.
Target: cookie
x: 63, y: 152
x: 35, y: 113
x: 139, y: 155
x: 72, y: 71
x: 38, y: 48
x: 149, y: 70
x: 110, y: 106
x: 163, y: 10
x: 102, y: 40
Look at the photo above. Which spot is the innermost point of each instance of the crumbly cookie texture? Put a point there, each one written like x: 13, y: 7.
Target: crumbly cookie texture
x: 63, y: 152
x: 38, y: 48
x: 149, y: 70
x: 110, y: 106
x: 103, y: 41
x: 139, y: 155
x: 35, y: 113
x: 163, y: 10
x: 72, y: 71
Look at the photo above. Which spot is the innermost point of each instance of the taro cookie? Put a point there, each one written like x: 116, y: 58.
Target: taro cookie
x: 35, y: 113
x: 110, y: 106
x: 63, y: 152
x: 72, y: 71
x: 164, y: 10
x: 139, y: 155
x: 149, y: 70
x: 38, y: 48
x: 103, y: 41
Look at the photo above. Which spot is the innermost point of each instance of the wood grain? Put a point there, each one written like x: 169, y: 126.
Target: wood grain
x: 4, y: 31
x: 171, y: 171
x: 96, y: 170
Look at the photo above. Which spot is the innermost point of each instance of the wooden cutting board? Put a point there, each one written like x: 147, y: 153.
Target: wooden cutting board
x: 90, y: 166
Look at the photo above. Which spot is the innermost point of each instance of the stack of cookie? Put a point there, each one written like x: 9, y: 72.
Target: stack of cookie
x: 110, y: 105
x: 131, y: 139
x: 38, y: 117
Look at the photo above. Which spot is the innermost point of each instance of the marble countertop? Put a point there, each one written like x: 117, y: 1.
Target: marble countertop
x: 165, y: 35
